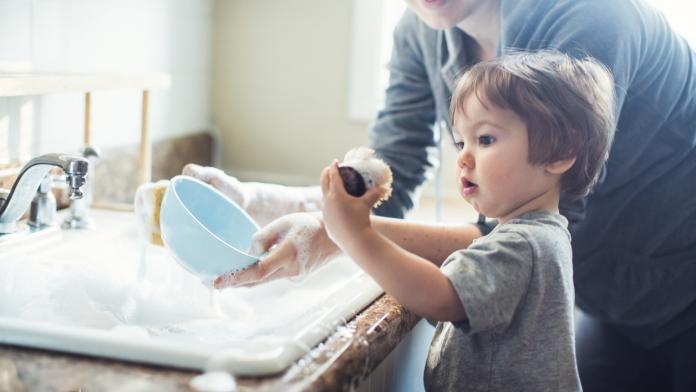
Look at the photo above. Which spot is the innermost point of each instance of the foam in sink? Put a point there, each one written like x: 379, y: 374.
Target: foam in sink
x: 89, y: 293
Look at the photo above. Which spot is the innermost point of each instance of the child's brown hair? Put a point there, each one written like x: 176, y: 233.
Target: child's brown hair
x: 566, y: 103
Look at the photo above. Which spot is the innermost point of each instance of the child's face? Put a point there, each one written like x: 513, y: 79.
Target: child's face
x: 495, y: 175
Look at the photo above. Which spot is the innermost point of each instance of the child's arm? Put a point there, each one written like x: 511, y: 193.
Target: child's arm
x: 433, y: 242
x: 415, y: 282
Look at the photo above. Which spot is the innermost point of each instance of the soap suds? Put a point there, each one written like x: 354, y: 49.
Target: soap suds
x: 91, y: 280
x: 299, y: 229
x: 263, y: 202
x: 213, y: 382
x: 374, y: 171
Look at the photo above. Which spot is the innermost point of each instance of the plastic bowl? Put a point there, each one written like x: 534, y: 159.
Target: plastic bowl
x: 207, y: 233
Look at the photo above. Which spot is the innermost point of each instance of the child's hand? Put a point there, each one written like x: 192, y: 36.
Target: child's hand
x: 345, y: 216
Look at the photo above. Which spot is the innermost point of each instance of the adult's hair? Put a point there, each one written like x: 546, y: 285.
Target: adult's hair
x: 566, y: 103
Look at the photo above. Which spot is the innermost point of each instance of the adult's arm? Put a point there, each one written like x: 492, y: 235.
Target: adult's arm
x: 403, y: 132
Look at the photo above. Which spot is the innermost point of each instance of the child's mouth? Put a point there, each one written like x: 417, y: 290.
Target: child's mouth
x: 468, y: 187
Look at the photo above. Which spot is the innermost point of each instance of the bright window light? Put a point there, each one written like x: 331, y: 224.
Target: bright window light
x: 679, y: 13
x: 373, y: 27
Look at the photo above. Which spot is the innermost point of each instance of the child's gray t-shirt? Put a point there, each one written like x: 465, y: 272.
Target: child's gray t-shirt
x: 516, y: 286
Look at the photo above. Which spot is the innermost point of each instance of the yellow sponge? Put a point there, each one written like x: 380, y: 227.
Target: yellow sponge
x: 148, y: 201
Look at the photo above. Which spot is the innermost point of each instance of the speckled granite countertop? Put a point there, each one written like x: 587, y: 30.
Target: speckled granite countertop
x: 338, y: 364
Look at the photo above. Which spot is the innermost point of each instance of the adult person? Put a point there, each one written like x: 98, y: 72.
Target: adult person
x: 634, y: 238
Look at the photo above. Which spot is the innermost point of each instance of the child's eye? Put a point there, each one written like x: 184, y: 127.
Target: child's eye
x: 486, y: 140
x: 459, y: 145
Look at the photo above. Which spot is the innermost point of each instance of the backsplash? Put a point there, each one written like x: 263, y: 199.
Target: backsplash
x: 115, y: 175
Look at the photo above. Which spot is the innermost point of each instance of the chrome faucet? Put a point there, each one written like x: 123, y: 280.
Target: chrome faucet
x: 79, y: 208
x: 29, y: 179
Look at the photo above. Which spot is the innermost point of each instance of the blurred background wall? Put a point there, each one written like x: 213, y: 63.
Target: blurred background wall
x: 280, y: 87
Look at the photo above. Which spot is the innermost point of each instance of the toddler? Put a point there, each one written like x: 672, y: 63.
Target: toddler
x: 529, y: 128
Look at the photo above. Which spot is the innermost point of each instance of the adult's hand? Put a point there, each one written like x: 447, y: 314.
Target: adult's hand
x: 296, y: 244
x: 263, y: 202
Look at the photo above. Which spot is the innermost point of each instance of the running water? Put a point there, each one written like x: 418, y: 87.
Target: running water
x: 142, y: 265
x: 147, y: 202
x: 215, y: 301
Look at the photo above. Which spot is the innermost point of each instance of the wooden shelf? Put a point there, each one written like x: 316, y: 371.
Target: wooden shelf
x: 17, y: 84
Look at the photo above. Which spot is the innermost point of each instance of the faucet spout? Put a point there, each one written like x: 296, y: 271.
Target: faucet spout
x: 29, y: 179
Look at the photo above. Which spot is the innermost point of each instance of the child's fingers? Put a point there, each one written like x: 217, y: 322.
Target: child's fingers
x: 334, y: 176
x: 325, y: 180
x: 371, y: 196
x: 337, y: 186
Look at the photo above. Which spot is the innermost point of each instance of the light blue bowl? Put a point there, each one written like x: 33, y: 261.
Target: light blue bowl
x: 207, y: 233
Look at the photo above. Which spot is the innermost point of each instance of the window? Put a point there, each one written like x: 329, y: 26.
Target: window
x: 373, y: 25
x: 680, y: 16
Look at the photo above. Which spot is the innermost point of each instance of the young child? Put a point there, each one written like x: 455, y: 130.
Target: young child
x: 530, y: 127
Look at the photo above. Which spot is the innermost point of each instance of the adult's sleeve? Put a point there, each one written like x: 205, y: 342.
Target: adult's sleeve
x: 491, y: 278
x: 610, y: 32
x: 403, y: 132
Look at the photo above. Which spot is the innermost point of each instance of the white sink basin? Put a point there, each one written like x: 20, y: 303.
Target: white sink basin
x: 86, y: 292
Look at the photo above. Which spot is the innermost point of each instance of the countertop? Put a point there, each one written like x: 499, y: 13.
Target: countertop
x: 338, y: 364
x: 341, y: 362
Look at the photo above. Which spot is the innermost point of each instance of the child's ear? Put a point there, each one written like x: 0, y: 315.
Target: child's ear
x: 560, y: 167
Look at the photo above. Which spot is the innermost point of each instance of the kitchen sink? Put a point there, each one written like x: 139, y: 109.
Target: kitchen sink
x: 102, y: 292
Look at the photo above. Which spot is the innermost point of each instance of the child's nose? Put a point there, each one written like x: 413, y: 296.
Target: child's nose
x: 465, y: 158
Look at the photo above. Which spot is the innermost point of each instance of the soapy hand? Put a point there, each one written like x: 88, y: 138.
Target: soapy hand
x: 297, y: 244
x: 344, y: 215
x: 228, y: 185
x: 263, y: 202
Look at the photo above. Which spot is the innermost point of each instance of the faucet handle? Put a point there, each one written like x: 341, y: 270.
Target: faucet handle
x: 43, y: 205
x: 90, y: 152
